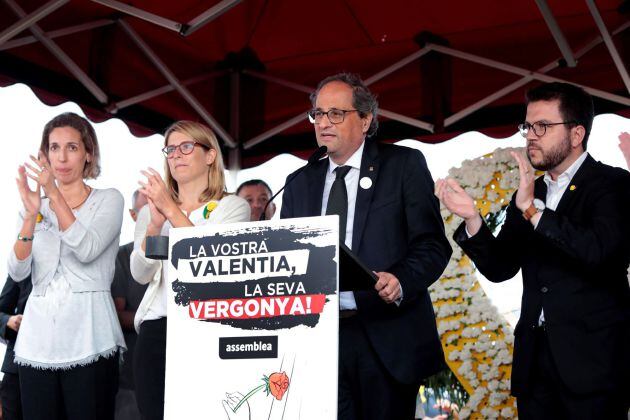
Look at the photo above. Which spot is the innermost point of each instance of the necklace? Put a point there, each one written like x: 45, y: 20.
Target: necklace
x: 89, y: 190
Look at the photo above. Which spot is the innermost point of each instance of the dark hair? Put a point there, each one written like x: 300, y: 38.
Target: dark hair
x: 253, y: 183
x: 92, y: 169
x: 576, y: 104
x: 363, y: 100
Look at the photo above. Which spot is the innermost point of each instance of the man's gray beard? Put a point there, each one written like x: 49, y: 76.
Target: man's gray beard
x: 554, y: 157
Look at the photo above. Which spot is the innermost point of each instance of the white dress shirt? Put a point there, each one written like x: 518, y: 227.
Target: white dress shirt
x: 555, y: 191
x: 346, y: 299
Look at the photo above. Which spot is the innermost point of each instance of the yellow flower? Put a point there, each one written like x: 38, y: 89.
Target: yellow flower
x: 208, y: 209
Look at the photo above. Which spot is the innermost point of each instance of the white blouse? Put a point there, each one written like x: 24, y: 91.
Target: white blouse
x: 231, y: 209
x: 71, y: 321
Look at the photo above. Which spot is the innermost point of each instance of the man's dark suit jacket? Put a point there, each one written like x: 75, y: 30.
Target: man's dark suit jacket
x: 574, y: 266
x: 12, y: 302
x: 398, y: 229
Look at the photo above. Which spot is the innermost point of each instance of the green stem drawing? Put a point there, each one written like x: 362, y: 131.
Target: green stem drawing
x: 249, y: 394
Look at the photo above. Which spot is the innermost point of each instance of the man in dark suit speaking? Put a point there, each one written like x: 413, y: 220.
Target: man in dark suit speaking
x: 569, y: 232
x: 388, y: 341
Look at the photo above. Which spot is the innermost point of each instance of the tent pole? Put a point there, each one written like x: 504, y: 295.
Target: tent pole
x: 209, y: 15
x: 278, y: 81
x: 29, y: 19
x: 524, y: 72
x: 234, y: 161
x: 556, y: 32
x: 20, y: 42
x: 406, y: 120
x: 117, y: 106
x: 172, y: 79
x: 272, y: 132
x: 397, y: 65
x: 141, y: 14
x: 621, y: 68
x: 61, y: 56
x: 522, y: 82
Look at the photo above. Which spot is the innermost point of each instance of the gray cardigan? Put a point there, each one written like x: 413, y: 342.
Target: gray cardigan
x: 85, y: 252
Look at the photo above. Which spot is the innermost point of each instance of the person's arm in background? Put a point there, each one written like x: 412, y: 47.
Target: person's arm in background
x: 122, y: 275
x: 9, y: 320
x: 142, y: 268
x: 124, y: 317
x: 624, y: 145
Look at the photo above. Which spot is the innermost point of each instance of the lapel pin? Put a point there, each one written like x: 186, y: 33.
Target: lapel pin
x: 572, y: 187
x: 365, y: 182
x: 371, y: 168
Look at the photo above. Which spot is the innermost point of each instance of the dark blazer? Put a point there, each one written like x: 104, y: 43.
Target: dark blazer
x: 12, y: 302
x: 397, y: 228
x: 574, y: 266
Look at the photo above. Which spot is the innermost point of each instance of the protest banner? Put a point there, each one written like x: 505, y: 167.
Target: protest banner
x: 252, y: 326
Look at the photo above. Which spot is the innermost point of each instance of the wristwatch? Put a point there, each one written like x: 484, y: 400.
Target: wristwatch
x: 538, y: 206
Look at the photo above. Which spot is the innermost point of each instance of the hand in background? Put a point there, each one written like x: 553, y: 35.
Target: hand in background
x: 14, y: 322
x: 624, y: 145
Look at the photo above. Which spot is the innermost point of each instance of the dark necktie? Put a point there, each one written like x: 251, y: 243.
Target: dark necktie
x: 338, y: 199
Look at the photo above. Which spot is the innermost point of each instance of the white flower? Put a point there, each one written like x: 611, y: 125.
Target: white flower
x: 450, y: 339
x: 493, y: 385
x: 504, y: 385
x: 458, y: 297
x: 497, y: 398
x: 464, y: 413
x: 489, y: 413
x: 465, y: 368
x: 507, y: 413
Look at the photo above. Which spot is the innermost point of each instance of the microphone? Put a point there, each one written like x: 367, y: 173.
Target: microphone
x: 317, y: 155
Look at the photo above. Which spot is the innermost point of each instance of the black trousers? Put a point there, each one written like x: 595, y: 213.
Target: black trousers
x: 549, y: 398
x: 10, y: 395
x: 80, y: 393
x: 366, y: 390
x: 149, y: 366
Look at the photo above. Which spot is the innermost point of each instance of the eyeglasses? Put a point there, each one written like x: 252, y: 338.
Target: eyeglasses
x: 185, y: 148
x: 539, y: 127
x: 335, y: 116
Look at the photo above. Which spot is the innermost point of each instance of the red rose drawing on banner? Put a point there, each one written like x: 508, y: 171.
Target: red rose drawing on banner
x: 276, y: 384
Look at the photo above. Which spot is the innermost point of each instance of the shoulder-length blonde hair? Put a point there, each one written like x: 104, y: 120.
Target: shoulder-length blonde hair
x: 216, y: 176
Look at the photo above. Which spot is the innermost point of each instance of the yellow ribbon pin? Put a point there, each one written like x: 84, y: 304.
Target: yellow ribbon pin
x: 208, y: 208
